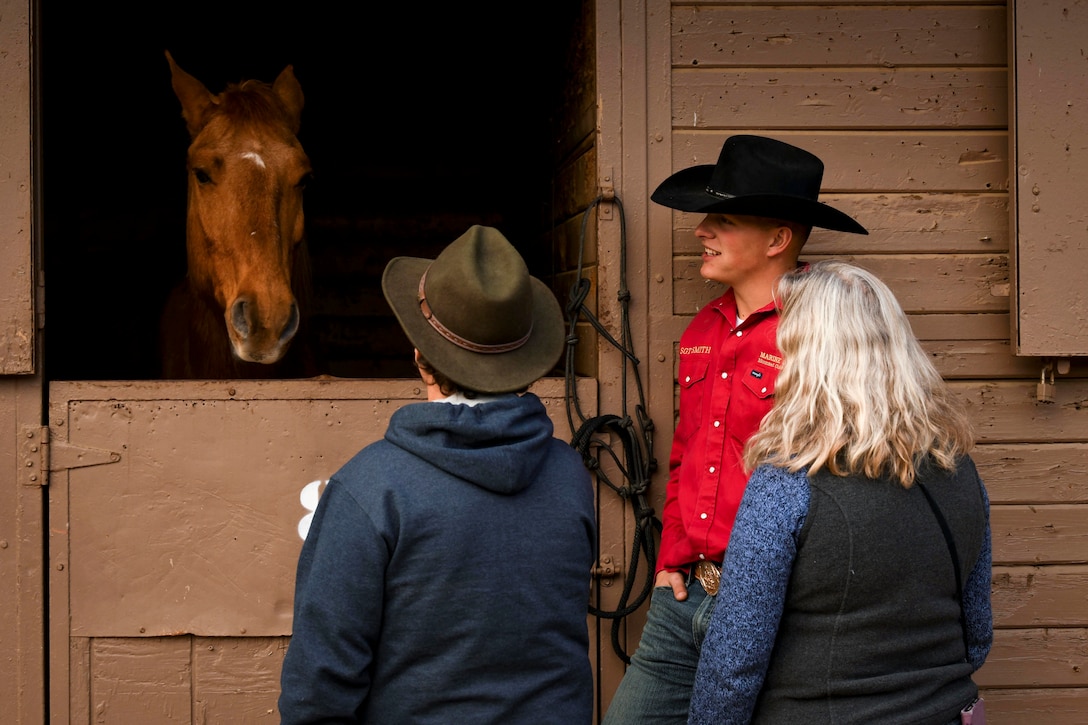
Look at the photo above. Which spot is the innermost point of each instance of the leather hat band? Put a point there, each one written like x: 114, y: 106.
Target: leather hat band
x: 456, y: 339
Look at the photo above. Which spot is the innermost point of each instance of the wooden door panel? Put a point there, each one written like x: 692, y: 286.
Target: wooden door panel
x: 174, y: 533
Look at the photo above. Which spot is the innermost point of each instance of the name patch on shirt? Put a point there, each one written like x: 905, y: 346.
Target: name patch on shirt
x: 771, y: 361
x: 695, y: 350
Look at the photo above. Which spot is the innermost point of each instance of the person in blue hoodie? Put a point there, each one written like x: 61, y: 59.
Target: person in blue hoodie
x: 446, y: 574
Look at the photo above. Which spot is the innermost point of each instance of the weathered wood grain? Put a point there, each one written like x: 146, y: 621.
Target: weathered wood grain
x: 840, y: 98
x: 928, y: 223
x: 575, y: 115
x: 141, y: 680
x: 1008, y: 411
x: 577, y: 183
x: 237, y: 679
x: 841, y: 36
x: 566, y: 280
x: 585, y: 351
x: 937, y: 5
x: 1050, y: 705
x: 979, y: 359
x: 940, y: 283
x: 890, y: 160
x: 1025, y: 658
x: 1040, y: 533
x: 1034, y: 473
x: 970, y: 326
x: 1040, y: 596
x: 1050, y: 83
x: 922, y: 283
x: 567, y: 239
x: 79, y: 682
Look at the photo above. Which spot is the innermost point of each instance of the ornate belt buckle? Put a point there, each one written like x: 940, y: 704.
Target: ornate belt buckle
x: 709, y: 575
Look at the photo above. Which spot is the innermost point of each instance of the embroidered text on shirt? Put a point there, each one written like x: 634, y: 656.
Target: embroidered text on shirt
x: 773, y: 361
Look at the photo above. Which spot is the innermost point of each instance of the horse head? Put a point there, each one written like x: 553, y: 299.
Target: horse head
x: 245, y: 226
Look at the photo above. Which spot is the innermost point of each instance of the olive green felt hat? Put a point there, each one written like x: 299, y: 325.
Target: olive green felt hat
x: 476, y: 314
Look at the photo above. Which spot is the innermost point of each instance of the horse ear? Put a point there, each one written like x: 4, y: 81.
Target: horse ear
x: 194, y: 96
x: 290, y: 93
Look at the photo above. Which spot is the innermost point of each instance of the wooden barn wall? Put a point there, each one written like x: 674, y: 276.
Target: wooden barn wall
x: 908, y: 104
x: 574, y: 185
x: 1048, y: 83
x: 22, y: 501
x: 17, y: 280
x: 586, y: 241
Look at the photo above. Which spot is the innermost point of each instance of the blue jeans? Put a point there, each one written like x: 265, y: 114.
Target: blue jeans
x: 657, y: 685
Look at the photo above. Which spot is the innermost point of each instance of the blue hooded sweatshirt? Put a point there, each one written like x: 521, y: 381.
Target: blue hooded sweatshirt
x: 446, y: 575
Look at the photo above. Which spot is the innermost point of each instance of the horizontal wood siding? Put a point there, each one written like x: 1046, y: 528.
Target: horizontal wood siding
x: 843, y: 97
x: 709, y: 34
x: 907, y: 103
x: 935, y: 222
x: 866, y: 161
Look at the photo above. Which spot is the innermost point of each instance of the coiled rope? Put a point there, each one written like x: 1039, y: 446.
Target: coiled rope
x: 636, y: 463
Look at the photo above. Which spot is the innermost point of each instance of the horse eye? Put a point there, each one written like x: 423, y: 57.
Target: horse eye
x: 305, y: 180
x: 202, y: 176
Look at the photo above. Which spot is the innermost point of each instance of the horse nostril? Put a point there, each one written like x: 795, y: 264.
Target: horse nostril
x: 239, y: 319
x: 292, y: 324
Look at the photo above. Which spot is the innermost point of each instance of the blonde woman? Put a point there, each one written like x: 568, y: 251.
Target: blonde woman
x: 841, y: 600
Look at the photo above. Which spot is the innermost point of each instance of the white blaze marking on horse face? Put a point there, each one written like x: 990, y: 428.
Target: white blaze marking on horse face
x: 254, y: 157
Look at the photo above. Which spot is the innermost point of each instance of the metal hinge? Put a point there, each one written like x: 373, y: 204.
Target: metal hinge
x: 605, y: 570
x: 607, y: 190
x: 40, y: 455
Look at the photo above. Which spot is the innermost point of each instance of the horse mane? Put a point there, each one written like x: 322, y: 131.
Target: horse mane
x: 249, y: 102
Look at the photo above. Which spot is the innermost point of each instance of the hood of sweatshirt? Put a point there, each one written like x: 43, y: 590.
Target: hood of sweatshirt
x: 495, y: 445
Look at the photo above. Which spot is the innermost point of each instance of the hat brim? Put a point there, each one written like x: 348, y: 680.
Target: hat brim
x: 686, y: 191
x: 482, y: 372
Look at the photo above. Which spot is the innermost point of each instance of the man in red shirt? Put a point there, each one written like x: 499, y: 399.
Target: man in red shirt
x: 761, y: 202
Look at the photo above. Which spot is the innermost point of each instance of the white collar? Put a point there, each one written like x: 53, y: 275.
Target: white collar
x: 459, y: 399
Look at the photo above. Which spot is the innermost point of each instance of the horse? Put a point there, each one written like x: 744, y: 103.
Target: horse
x: 245, y: 294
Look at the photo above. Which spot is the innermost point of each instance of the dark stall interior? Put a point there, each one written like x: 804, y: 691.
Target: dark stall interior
x: 419, y: 120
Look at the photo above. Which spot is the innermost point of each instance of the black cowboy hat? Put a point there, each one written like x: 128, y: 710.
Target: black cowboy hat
x: 476, y: 314
x: 756, y: 176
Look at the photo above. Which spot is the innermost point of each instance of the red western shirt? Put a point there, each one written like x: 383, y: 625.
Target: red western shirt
x: 727, y: 374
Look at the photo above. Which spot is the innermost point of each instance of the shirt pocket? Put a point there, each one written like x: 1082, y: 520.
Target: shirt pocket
x: 760, y: 381
x: 692, y: 370
x: 753, y: 400
x: 691, y: 380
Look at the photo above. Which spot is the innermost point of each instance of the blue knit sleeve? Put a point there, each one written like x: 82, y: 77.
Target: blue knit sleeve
x: 976, y: 597
x: 737, y: 649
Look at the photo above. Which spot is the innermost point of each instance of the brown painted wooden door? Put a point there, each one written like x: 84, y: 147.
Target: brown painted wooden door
x: 175, y: 512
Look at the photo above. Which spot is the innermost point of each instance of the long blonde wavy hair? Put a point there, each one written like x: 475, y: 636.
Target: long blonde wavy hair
x: 856, y: 392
